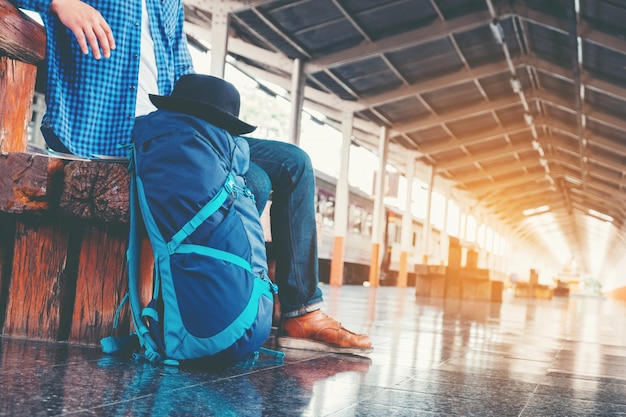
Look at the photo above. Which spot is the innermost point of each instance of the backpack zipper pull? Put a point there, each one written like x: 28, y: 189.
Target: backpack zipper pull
x: 273, y: 286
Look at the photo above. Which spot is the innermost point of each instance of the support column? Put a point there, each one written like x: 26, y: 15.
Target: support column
x: 341, y: 202
x: 407, y: 223
x: 443, y: 242
x: 219, y: 42
x: 297, y: 98
x: 379, y: 209
x: 477, y: 228
x: 463, y: 221
x: 427, y: 225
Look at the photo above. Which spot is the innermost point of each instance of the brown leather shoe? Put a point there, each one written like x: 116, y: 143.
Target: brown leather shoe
x: 319, y: 332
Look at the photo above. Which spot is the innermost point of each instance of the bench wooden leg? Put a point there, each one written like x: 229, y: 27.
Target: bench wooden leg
x: 101, y: 284
x: 40, y: 258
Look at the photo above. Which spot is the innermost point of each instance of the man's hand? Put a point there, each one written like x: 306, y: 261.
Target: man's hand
x: 88, y: 25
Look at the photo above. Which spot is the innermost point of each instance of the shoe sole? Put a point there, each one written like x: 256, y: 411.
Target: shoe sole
x: 307, y: 344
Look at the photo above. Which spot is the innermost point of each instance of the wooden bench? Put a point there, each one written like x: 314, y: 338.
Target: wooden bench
x: 459, y: 284
x: 63, y: 240
x: 63, y: 223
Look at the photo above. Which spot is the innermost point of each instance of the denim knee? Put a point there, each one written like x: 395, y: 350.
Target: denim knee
x: 259, y: 183
x: 302, y: 164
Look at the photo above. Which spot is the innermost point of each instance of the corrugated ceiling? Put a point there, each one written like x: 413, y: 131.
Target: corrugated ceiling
x: 519, y: 103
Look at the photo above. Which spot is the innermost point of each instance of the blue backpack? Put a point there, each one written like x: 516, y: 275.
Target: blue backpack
x: 212, y: 298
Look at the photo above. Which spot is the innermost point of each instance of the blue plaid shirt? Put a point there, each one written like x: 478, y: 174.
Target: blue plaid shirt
x: 91, y: 103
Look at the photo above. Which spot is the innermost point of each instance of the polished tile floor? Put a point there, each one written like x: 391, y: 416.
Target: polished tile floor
x: 432, y: 357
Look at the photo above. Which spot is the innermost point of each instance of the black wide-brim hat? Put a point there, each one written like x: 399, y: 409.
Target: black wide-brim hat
x: 209, y: 98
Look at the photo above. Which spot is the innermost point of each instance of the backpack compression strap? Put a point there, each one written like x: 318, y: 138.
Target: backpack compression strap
x: 175, y: 245
x: 116, y: 345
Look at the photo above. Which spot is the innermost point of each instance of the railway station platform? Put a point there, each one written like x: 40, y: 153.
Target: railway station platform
x: 432, y: 357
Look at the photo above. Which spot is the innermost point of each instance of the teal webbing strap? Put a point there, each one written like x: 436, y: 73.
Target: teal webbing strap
x: 205, y: 212
x: 215, y: 253
x: 151, y: 229
x: 116, y: 317
x: 133, y: 254
x: 150, y: 312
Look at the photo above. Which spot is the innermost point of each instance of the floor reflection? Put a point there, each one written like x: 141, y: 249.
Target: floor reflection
x: 432, y: 357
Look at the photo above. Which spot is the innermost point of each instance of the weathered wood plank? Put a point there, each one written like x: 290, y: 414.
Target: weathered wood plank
x: 21, y: 38
x: 96, y: 190
x: 29, y: 183
x: 101, y: 283
x: 7, y: 229
x: 146, y: 269
x: 17, y: 84
x: 39, y: 279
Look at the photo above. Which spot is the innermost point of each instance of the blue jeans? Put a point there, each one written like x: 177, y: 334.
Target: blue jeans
x: 286, y: 171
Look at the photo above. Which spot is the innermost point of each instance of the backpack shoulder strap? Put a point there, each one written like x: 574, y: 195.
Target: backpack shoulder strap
x: 117, y: 345
x: 147, y: 342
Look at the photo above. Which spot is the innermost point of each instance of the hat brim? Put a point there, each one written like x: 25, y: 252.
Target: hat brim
x: 203, y: 110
